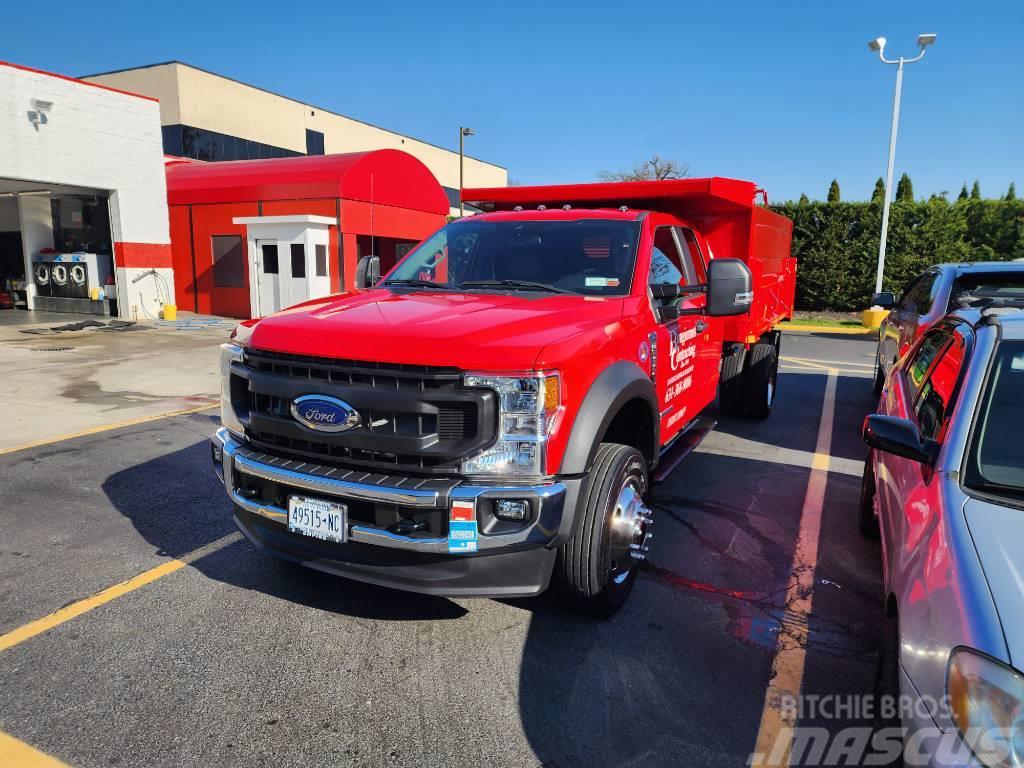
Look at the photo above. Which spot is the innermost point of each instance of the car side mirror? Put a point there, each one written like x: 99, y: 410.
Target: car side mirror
x: 729, y: 288
x: 367, y: 272
x: 899, y: 437
x: 885, y: 300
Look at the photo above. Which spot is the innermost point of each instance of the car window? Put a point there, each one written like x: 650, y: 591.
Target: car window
x: 939, y: 390
x: 693, y: 264
x: 920, y: 296
x: 922, y: 358
x: 994, y: 459
x: 665, y: 263
x: 987, y: 285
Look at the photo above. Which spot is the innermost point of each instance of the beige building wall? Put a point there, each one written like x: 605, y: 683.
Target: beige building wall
x: 200, y: 99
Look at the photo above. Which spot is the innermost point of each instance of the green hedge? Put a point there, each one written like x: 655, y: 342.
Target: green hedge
x: 837, y: 244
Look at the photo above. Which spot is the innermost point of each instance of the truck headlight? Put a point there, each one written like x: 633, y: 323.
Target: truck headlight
x: 528, y: 407
x: 229, y: 353
x: 987, y: 703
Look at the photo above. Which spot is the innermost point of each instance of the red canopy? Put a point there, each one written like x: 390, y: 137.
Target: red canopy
x: 382, y: 177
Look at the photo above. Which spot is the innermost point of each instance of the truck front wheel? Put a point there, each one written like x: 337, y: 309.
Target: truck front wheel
x: 730, y: 385
x: 759, y: 378
x: 597, y: 566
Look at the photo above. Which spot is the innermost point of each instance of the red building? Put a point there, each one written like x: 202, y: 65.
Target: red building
x: 254, y: 236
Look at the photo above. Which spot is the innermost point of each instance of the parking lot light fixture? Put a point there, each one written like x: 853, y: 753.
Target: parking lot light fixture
x: 878, y: 45
x: 463, y: 133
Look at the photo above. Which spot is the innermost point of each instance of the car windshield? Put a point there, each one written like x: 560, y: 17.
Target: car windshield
x: 987, y: 285
x: 593, y: 257
x: 994, y: 462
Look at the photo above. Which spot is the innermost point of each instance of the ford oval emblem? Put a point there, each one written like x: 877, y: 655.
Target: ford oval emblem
x: 325, y: 414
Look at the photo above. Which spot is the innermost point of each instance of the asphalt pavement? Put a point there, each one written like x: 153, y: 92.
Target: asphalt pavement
x: 233, y: 658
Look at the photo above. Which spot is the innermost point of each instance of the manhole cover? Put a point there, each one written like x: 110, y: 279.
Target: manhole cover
x: 51, y: 349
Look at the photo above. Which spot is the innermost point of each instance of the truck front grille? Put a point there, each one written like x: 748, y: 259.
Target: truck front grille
x: 414, y: 418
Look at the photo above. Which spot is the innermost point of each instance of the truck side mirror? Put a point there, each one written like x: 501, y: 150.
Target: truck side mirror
x: 729, y: 291
x: 885, y: 300
x: 367, y: 272
x: 899, y: 437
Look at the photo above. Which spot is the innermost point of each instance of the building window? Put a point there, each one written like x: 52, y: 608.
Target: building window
x: 269, y: 254
x: 314, y: 142
x: 321, y: 261
x: 201, y: 144
x: 228, y: 270
x: 298, y: 260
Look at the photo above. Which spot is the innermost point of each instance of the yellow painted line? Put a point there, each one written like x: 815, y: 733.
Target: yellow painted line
x: 18, y: 753
x: 105, y: 428
x: 68, y: 612
x: 802, y: 328
x: 775, y: 736
x: 827, y: 363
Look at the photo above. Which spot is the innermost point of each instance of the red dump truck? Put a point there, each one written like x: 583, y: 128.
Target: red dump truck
x: 493, y: 412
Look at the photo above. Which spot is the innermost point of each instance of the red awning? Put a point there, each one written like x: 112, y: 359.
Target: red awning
x: 383, y: 177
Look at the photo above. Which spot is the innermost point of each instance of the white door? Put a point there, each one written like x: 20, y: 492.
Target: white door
x: 268, y: 277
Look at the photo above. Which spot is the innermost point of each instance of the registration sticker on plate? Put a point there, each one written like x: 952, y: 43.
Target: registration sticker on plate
x: 462, y: 532
x: 317, y: 518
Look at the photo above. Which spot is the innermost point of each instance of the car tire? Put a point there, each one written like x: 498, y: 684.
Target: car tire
x: 596, y: 567
x: 730, y: 384
x: 759, y: 379
x: 887, y: 685
x: 866, y: 507
x: 879, y: 382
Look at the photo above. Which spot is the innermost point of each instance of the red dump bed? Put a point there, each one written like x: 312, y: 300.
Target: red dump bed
x: 722, y: 210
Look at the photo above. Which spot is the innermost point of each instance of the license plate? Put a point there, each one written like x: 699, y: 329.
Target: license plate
x: 317, y: 518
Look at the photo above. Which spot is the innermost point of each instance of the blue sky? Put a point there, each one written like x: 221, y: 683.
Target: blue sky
x: 784, y: 93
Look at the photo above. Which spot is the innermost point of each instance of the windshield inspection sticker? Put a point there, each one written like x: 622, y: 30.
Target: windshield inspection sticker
x: 462, y: 531
x: 601, y: 282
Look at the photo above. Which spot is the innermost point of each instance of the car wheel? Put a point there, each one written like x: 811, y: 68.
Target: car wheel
x: 866, y: 506
x: 597, y: 566
x: 730, y: 385
x: 759, y: 380
x: 887, y: 718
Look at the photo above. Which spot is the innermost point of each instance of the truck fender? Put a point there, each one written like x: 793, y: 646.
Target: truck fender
x: 614, y: 387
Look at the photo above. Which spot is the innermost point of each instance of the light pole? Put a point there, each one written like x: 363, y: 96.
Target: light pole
x: 463, y: 133
x: 878, y: 44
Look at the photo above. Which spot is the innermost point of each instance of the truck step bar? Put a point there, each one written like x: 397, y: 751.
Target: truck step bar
x: 683, y: 446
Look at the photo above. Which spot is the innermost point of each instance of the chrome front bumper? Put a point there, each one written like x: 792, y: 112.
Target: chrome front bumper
x: 231, y: 455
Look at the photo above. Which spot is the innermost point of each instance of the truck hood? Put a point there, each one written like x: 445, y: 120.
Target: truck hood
x: 464, y: 330
x: 997, y: 532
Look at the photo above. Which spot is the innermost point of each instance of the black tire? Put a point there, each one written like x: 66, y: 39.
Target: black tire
x: 730, y: 385
x: 759, y: 379
x: 887, y: 684
x: 868, y: 521
x: 879, y: 377
x: 587, y: 576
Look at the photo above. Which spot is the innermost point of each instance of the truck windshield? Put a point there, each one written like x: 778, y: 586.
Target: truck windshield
x: 993, y: 464
x: 593, y: 257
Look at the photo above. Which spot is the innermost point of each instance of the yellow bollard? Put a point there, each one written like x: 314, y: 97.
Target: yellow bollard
x: 872, y: 318
x: 170, y: 311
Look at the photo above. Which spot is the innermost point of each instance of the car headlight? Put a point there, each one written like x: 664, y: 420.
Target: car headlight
x: 229, y: 353
x: 987, y: 702
x: 528, y: 408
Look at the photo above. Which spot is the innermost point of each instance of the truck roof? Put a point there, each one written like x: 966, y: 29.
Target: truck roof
x: 559, y: 214
x: 676, y: 196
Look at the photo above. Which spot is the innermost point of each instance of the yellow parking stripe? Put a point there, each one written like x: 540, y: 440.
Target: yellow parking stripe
x: 847, y: 329
x: 775, y: 736
x: 68, y: 612
x: 105, y: 428
x: 18, y: 753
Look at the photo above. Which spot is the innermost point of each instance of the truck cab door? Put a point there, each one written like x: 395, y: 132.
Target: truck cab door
x: 685, y: 377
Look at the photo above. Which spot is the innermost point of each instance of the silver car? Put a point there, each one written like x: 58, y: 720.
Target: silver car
x: 944, y: 487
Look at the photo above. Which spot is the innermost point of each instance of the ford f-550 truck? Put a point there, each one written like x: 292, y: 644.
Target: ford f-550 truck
x: 492, y: 413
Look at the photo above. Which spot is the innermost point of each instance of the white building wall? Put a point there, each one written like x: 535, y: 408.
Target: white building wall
x: 61, y: 131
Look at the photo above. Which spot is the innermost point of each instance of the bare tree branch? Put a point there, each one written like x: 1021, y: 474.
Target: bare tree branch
x: 657, y: 168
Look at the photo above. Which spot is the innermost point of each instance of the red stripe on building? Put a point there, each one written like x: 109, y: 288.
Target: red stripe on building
x: 142, y: 255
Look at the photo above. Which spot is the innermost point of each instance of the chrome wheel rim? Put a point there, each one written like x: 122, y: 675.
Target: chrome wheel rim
x: 630, y: 534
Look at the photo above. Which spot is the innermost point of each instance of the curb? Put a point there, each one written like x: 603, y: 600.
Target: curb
x: 848, y: 330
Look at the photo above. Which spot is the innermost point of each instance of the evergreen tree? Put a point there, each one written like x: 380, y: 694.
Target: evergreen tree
x: 878, y: 196
x: 963, y: 192
x: 904, y: 190
x: 976, y: 191
x: 803, y: 200
x: 1011, y: 193
x: 833, y: 192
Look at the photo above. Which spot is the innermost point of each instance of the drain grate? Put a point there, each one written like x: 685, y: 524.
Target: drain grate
x: 51, y: 349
